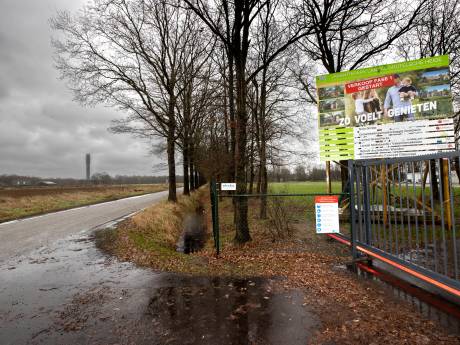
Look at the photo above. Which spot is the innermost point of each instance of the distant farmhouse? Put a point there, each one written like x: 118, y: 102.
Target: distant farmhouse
x: 47, y: 183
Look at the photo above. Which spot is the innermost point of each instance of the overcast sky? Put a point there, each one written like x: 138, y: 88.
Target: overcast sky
x: 43, y: 132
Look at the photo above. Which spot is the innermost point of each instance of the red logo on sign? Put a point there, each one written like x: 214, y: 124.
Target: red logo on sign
x: 369, y: 84
x: 326, y: 199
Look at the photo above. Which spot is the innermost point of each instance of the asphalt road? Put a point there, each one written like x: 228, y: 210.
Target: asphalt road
x: 21, y: 236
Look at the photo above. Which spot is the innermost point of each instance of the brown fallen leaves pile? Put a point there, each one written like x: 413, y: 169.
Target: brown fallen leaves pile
x: 352, y: 310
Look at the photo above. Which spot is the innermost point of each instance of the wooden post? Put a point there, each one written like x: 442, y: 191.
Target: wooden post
x: 446, y: 192
x: 328, y: 177
x: 425, y: 176
x: 385, y: 196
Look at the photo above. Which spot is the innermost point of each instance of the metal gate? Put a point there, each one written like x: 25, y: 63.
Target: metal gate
x: 404, y: 212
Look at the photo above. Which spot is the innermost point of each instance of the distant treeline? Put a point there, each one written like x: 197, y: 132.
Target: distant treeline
x: 97, y: 178
x: 283, y: 174
x: 279, y: 174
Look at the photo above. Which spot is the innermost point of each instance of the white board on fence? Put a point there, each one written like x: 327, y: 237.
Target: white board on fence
x: 327, y: 214
x: 228, y: 186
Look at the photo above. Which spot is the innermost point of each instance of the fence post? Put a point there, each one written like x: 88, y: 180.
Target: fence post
x: 384, y: 193
x: 217, y: 223
x: 445, y: 169
x: 366, y: 201
x: 215, y: 215
x: 351, y: 182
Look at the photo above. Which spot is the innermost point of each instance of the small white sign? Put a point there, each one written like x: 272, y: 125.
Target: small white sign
x: 227, y: 186
x: 327, y: 214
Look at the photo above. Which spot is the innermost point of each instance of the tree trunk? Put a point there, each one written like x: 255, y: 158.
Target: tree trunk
x: 434, y: 179
x: 197, y: 179
x: 241, y: 205
x: 185, y: 155
x: 257, y: 131
x: 187, y: 106
x: 228, y: 173
x: 344, y: 174
x: 231, y: 108
x: 171, y: 166
x: 254, y: 138
x: 170, y: 150
x: 259, y: 179
x: 192, y: 180
x: 263, y: 189
x: 263, y: 145
x: 191, y: 167
x: 457, y: 167
x: 251, y: 175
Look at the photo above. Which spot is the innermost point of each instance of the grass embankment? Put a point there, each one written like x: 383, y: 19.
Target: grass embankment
x: 149, y: 238
x: 22, y: 202
x: 352, y: 310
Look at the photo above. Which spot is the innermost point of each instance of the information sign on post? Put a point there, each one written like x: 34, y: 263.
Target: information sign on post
x: 327, y: 214
x: 396, y: 110
x: 227, y: 186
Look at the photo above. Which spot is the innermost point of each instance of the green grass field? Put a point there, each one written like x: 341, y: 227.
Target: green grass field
x: 303, y: 187
x: 320, y: 187
x: 302, y: 207
x: 302, y: 203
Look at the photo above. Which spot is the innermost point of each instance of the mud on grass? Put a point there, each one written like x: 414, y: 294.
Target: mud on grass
x: 351, y: 310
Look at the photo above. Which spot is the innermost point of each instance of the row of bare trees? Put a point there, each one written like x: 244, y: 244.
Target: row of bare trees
x: 228, y: 84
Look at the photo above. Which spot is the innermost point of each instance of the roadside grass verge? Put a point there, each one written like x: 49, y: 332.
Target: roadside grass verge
x: 22, y: 202
x: 149, y: 238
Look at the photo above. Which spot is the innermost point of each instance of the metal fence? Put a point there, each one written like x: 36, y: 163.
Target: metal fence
x: 406, y: 211
x: 403, y: 211
x: 304, y: 200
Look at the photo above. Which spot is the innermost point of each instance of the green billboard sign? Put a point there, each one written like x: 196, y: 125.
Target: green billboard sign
x: 394, y: 110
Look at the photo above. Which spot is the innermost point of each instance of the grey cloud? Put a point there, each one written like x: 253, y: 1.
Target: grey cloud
x: 43, y: 132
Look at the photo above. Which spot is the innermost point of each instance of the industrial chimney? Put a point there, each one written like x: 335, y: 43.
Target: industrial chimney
x: 88, y: 167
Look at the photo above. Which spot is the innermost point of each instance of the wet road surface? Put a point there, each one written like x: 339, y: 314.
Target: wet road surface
x: 21, y: 236
x: 72, y: 293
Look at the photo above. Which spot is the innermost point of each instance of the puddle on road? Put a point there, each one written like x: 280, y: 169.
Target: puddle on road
x: 71, y: 293
x: 225, y: 311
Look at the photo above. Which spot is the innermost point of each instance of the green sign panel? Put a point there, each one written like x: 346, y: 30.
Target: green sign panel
x: 400, y: 109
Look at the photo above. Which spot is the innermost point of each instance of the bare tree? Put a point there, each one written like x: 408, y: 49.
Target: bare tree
x: 437, y: 33
x: 348, y: 34
x: 231, y: 23
x: 129, y: 55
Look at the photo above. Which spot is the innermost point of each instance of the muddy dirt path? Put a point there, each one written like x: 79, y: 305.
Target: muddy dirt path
x: 72, y: 293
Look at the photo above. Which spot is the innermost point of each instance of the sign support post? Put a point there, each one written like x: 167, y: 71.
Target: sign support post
x: 446, y: 191
x: 385, y: 196
x: 351, y: 181
x: 215, y: 215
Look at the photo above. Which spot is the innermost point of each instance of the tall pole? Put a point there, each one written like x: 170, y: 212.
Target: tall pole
x: 328, y: 177
x: 446, y: 191
x: 88, y: 167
